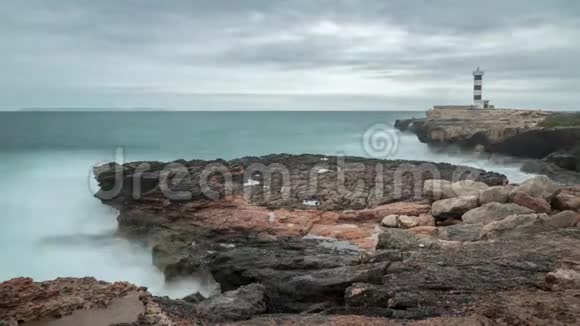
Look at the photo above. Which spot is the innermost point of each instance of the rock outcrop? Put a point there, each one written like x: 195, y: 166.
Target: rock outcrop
x: 286, y: 253
x: 23, y: 301
x: 280, y: 260
x: 520, y: 133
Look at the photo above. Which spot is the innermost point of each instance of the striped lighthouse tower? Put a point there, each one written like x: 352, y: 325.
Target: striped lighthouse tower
x: 477, y: 87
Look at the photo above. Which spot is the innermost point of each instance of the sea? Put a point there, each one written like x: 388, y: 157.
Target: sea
x: 52, y: 226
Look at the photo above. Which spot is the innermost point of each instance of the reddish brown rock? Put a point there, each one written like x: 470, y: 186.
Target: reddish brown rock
x: 403, y: 208
x: 375, y: 215
x: 390, y: 221
x: 23, y: 300
x: 540, y: 187
x: 537, y: 204
x: 407, y: 222
x: 563, y: 219
x: 361, y: 235
x: 424, y: 230
x: 568, y: 199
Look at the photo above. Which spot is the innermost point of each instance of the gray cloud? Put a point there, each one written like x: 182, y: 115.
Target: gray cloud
x: 410, y: 54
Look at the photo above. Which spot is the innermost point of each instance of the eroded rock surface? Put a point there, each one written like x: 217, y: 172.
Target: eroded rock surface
x: 23, y: 301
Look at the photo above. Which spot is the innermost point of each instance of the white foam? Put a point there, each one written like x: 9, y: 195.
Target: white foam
x: 311, y: 202
x: 251, y: 182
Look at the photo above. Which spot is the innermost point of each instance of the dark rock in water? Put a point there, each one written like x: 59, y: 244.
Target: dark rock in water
x: 149, y: 181
x: 411, y: 125
x: 554, y: 172
x: 537, y: 143
x: 564, y: 160
x: 194, y: 298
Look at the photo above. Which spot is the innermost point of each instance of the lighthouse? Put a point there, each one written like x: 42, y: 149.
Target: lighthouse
x: 477, y: 88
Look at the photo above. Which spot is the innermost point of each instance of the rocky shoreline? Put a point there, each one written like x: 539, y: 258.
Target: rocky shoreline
x: 550, y: 140
x: 312, y: 239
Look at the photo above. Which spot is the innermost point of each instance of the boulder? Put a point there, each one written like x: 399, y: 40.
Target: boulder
x: 540, y: 186
x: 454, y: 207
x: 512, y: 226
x: 468, y: 188
x: 460, y: 232
x: 443, y: 189
x: 390, y: 221
x: 437, y: 189
x: 496, y: 194
x: 493, y: 212
x: 241, y: 304
x: 568, y: 199
x: 537, y: 204
x: 563, y: 219
x: 408, y: 222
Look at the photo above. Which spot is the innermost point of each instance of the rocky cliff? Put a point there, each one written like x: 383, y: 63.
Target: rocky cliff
x: 553, y: 138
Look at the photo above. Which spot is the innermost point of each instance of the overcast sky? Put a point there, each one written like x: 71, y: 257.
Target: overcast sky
x: 301, y: 54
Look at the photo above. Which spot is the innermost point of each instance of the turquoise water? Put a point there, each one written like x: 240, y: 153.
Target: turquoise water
x: 50, y: 225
